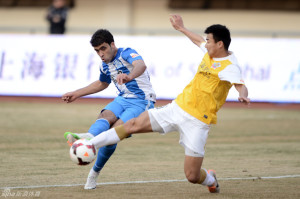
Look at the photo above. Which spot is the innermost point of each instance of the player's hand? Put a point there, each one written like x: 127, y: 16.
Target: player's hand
x: 69, y: 97
x: 244, y: 100
x: 123, y: 78
x: 176, y: 21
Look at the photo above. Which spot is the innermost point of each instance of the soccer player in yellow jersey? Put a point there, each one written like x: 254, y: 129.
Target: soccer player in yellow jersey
x: 194, y: 110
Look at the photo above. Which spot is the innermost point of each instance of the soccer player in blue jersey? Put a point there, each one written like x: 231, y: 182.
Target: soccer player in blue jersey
x: 127, y: 70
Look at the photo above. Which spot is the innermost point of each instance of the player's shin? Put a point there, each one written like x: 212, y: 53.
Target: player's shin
x: 104, y: 154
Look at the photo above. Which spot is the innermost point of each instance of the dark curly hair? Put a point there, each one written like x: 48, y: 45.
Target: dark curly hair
x: 101, y: 36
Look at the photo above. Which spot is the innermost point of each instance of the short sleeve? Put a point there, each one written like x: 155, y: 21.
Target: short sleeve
x: 232, y: 73
x: 130, y: 55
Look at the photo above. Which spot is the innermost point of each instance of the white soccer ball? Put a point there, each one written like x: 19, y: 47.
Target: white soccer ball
x: 83, y: 152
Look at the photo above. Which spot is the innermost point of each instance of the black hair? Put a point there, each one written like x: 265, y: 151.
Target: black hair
x: 220, y: 33
x: 101, y: 36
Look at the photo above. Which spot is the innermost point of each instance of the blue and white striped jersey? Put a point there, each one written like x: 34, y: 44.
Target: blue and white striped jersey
x: 139, y: 87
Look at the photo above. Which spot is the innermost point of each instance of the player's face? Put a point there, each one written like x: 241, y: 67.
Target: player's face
x: 106, y: 52
x: 212, y: 46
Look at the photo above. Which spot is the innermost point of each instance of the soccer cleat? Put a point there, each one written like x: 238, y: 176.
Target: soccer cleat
x: 71, y: 137
x: 91, y: 181
x: 215, y: 188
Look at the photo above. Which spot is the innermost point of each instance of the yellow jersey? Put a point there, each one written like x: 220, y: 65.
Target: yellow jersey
x: 207, y: 92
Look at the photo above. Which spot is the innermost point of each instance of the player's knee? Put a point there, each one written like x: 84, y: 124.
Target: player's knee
x: 109, y: 116
x: 133, y: 126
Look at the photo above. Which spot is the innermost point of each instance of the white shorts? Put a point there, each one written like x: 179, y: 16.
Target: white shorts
x: 193, y: 132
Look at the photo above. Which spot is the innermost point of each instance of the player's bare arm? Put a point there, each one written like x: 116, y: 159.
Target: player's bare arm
x: 177, y: 23
x: 94, y: 87
x: 139, y: 68
x: 243, y: 93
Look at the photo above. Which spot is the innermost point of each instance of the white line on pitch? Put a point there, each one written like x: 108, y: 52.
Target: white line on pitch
x: 151, y: 181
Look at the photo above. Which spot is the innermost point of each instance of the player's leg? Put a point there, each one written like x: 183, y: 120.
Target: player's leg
x: 111, y: 114
x: 132, y: 108
x: 104, y: 153
x: 135, y: 125
x: 154, y: 120
x: 197, y: 175
x: 193, y: 136
x: 108, y: 116
x: 192, y: 169
x: 112, y: 137
x: 141, y: 124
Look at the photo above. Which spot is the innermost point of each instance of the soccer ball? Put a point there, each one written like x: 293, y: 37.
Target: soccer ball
x: 83, y: 152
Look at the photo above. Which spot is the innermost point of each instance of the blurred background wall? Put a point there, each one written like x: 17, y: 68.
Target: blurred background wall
x: 266, y: 40
x: 264, y: 18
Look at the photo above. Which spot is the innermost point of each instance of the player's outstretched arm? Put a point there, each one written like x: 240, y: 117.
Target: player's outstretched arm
x: 177, y: 23
x: 139, y: 68
x: 243, y: 93
x: 94, y: 87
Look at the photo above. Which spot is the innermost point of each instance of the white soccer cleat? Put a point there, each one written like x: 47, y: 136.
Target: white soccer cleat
x: 91, y: 181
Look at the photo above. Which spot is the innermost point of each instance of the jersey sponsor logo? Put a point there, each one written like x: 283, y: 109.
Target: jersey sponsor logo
x: 134, y: 55
x: 113, y: 79
x: 204, y: 69
x: 216, y: 65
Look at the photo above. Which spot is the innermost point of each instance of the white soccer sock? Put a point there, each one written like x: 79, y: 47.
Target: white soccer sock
x: 93, y: 173
x: 209, y: 180
x: 105, y: 138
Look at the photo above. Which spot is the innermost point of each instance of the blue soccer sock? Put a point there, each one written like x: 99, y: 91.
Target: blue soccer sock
x: 99, y: 126
x: 104, y: 154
